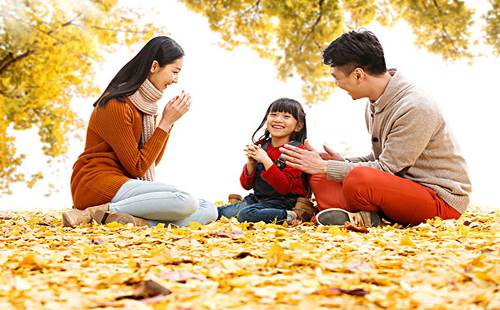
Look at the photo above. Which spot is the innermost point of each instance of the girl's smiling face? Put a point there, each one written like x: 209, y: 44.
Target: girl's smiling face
x: 281, y: 124
x: 162, y: 77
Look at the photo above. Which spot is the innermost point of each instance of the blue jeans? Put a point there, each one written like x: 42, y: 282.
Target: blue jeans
x: 252, y: 209
x: 161, y: 203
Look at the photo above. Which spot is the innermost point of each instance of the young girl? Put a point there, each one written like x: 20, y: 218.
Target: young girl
x: 114, y: 178
x: 276, y: 187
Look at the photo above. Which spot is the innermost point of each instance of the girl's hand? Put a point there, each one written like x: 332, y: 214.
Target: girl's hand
x: 249, y: 152
x: 174, y: 110
x: 257, y: 153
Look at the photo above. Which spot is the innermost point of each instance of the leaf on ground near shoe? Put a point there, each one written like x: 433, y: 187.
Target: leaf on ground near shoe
x: 334, y: 291
x: 350, y: 226
x: 406, y: 241
x: 195, y: 225
x: 113, y: 225
x: 147, y: 289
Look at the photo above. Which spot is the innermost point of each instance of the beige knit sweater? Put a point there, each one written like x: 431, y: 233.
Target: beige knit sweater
x: 411, y: 139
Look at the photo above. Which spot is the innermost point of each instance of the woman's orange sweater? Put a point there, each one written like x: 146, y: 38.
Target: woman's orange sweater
x: 112, y: 155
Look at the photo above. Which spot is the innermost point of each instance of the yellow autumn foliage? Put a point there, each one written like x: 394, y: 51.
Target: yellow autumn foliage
x: 231, y: 265
x: 48, y: 51
x: 294, y: 33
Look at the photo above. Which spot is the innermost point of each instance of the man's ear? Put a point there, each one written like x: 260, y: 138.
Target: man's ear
x: 359, y: 74
x: 155, y: 66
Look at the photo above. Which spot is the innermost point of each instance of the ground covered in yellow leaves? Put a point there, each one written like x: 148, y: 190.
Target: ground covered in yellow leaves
x: 224, y: 265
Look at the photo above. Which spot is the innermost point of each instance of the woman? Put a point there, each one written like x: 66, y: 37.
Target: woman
x: 114, y: 178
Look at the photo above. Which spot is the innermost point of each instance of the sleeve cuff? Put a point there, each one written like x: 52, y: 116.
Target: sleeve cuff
x: 246, y: 175
x: 337, y: 170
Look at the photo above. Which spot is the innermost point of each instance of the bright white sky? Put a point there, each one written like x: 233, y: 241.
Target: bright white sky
x: 232, y: 90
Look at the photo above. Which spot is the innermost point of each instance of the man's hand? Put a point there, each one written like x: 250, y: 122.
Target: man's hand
x: 329, y: 154
x: 307, y: 160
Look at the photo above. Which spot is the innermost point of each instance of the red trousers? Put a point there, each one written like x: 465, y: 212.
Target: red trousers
x: 368, y: 189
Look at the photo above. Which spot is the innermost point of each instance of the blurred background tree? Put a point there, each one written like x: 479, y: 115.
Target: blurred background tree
x: 48, y: 49
x: 47, y: 52
x: 293, y: 33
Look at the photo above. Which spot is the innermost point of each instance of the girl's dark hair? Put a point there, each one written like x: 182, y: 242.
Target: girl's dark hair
x: 288, y: 106
x: 356, y: 49
x: 126, y: 82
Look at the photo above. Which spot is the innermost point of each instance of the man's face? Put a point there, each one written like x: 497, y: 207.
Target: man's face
x: 348, y: 82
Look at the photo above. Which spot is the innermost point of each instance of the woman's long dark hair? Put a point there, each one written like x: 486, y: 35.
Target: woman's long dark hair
x: 288, y: 106
x: 126, y: 82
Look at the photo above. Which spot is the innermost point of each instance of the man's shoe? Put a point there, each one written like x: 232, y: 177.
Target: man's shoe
x: 336, y: 216
x: 75, y: 217
x: 304, y: 209
x: 105, y: 217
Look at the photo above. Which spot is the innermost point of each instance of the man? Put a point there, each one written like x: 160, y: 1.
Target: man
x: 414, y: 172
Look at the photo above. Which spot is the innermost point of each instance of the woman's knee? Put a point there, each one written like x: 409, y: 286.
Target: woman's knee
x: 210, y: 212
x: 188, y: 204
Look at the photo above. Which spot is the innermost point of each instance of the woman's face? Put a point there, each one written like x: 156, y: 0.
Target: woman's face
x: 161, y: 77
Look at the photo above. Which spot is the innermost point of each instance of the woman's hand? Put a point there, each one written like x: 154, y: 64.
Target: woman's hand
x: 174, y: 110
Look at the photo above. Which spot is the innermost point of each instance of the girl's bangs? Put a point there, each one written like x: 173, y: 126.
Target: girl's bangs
x: 285, y: 106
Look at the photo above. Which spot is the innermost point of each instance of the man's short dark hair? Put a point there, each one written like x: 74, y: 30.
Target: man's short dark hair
x: 356, y: 49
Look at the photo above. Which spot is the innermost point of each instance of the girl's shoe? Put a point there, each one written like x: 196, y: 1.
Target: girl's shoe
x: 234, y: 198
x: 336, y: 216
x: 304, y: 209
x: 75, y: 217
x: 104, y: 217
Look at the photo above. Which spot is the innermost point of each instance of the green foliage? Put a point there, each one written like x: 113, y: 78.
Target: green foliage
x: 47, y: 50
x: 293, y: 33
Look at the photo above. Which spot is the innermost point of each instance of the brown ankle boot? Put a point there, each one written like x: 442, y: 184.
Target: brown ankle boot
x: 104, y: 217
x: 234, y: 198
x: 304, y: 209
x: 92, y: 210
x: 75, y: 217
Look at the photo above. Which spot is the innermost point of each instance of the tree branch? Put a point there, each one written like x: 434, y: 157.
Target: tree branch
x: 443, y: 27
x: 10, y: 59
x: 316, y: 22
x: 117, y: 30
